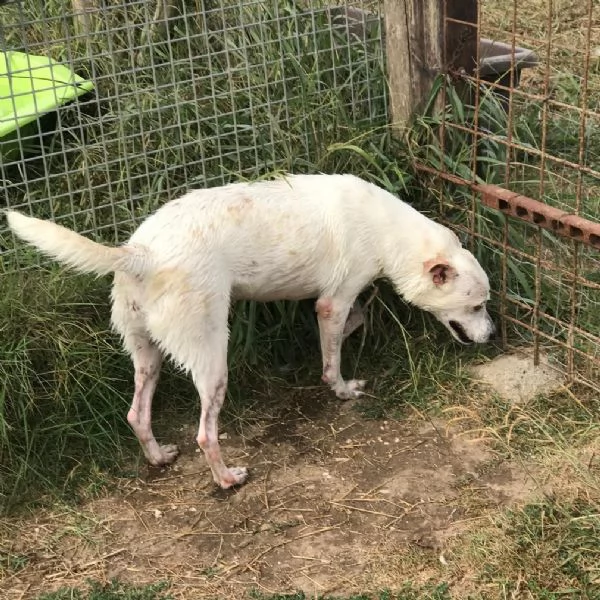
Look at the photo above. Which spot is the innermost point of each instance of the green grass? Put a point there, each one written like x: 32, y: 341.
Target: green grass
x: 536, y: 295
x: 409, y: 591
x: 550, y: 534
x: 119, y: 591
x: 115, y: 590
x: 545, y: 550
x: 62, y: 383
x: 65, y: 385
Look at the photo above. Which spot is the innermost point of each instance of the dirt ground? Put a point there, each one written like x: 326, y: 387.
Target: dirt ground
x: 336, y: 503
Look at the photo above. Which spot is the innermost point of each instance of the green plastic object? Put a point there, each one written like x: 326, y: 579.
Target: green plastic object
x: 31, y: 86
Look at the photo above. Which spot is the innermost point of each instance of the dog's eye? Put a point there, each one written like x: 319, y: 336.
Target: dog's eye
x: 478, y: 308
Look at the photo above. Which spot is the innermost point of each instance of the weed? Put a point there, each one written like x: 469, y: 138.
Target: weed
x: 60, y: 383
x: 531, y: 270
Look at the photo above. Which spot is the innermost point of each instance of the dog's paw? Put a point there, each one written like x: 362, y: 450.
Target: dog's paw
x: 169, y: 452
x: 349, y: 390
x: 160, y: 456
x: 234, y: 476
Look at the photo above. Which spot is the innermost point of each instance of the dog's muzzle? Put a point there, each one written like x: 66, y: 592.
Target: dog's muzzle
x: 460, y: 332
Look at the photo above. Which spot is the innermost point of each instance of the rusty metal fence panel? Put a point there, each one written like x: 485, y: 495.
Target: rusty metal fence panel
x: 517, y: 167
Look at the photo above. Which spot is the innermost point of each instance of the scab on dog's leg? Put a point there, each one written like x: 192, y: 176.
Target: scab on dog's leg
x: 332, y: 314
x: 147, y: 360
x: 212, y: 396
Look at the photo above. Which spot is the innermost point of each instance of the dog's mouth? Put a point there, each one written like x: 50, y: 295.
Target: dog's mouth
x: 460, y: 332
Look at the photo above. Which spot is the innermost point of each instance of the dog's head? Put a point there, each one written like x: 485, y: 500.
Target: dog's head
x: 455, y: 290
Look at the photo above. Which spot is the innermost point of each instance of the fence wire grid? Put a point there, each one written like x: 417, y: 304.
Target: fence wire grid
x: 198, y: 93
x: 531, y: 126
x: 180, y: 94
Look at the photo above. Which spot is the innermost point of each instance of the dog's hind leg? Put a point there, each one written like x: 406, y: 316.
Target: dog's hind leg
x: 332, y: 315
x: 209, y: 372
x: 192, y: 328
x: 211, y: 382
x: 147, y: 360
x: 129, y: 320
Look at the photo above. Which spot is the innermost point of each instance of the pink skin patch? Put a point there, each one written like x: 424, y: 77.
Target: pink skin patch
x: 324, y: 308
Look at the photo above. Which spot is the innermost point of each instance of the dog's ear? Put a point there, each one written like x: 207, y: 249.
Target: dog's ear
x: 440, y: 271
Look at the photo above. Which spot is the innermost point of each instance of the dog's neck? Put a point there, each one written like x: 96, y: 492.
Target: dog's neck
x: 404, y: 237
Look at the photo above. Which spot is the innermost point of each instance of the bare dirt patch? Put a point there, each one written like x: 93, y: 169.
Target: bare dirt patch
x: 328, y: 491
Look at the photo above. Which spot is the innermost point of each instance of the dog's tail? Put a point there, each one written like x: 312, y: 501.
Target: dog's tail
x: 76, y: 251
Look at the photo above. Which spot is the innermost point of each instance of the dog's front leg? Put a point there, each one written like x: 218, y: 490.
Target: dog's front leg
x: 332, y: 314
x: 212, y: 394
x: 356, y: 318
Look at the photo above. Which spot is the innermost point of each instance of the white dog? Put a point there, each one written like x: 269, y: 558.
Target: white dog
x: 301, y: 236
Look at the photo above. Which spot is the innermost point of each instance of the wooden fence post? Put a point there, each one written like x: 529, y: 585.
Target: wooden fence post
x: 82, y: 12
x: 416, y: 52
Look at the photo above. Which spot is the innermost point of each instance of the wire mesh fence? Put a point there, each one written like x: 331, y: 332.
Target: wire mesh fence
x: 528, y: 123
x: 158, y: 96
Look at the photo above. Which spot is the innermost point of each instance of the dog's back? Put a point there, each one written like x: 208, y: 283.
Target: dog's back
x: 285, y: 239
